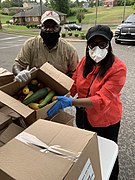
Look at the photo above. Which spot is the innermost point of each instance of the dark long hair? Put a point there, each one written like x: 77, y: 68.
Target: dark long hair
x: 105, y: 64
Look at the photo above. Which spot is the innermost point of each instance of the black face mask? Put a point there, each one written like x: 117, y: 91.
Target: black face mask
x: 50, y: 39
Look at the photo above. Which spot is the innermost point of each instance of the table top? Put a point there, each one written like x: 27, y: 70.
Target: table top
x: 108, y: 152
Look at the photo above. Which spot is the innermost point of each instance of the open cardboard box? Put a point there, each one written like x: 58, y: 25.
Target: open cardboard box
x: 47, y: 74
x: 5, y: 76
x: 10, y: 132
x: 63, y: 118
x: 8, y: 129
x: 5, y: 120
x: 68, y: 153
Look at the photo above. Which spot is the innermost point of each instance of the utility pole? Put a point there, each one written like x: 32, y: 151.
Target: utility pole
x: 0, y: 18
x: 96, y: 12
x: 125, y: 1
x: 41, y: 11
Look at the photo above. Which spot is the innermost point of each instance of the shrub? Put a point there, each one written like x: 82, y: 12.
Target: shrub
x: 70, y: 33
x: 28, y: 26
x: 7, y: 22
x: 63, y: 35
x: 35, y: 26
x: 76, y: 34
x: 11, y: 13
x: 82, y: 35
x: 32, y: 25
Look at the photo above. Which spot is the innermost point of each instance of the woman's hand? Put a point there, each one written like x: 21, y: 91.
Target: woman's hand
x: 62, y: 102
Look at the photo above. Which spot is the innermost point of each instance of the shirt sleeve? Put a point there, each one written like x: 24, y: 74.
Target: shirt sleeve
x: 73, y: 61
x: 24, y: 56
x: 110, y: 90
x: 73, y: 90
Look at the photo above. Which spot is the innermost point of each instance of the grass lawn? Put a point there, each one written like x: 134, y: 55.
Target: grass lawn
x: 4, y: 18
x: 105, y: 15
x: 21, y: 30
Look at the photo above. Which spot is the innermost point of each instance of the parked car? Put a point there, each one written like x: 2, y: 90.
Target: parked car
x: 72, y: 27
x: 39, y: 26
x: 125, y: 32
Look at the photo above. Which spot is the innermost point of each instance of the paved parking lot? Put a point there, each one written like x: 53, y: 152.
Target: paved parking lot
x: 11, y: 41
x: 9, y: 47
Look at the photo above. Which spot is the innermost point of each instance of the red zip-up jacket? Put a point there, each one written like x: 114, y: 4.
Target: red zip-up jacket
x: 104, y: 93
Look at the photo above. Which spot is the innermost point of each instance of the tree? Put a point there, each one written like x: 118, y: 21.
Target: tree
x: 11, y: 3
x: 5, y: 4
x: 60, y: 5
x: 128, y: 2
x: 91, y: 3
x: 46, y: 3
x: 77, y: 2
x: 80, y: 15
x: 132, y: 3
x: 16, y: 3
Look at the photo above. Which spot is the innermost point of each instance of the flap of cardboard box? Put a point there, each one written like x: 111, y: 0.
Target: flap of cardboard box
x: 14, y: 104
x: 4, y: 72
x: 5, y: 76
x: 10, y: 132
x: 57, y: 75
x: 4, y: 120
x: 9, y: 112
x: 63, y: 118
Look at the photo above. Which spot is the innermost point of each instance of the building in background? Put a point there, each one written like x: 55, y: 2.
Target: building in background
x: 110, y: 3
x: 33, y: 16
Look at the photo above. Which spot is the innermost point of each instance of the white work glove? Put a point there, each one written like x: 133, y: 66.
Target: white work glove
x: 24, y: 75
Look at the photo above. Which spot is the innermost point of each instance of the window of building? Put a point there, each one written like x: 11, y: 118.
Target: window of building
x: 27, y: 19
x: 35, y: 19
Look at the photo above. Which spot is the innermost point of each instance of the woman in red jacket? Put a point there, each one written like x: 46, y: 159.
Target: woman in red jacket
x: 98, y: 81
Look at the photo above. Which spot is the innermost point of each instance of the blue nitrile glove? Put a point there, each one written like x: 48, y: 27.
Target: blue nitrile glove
x: 62, y: 103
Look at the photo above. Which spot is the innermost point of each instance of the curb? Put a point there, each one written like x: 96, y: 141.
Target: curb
x: 75, y: 40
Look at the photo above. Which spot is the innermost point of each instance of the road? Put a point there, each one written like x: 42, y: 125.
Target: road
x: 10, y: 46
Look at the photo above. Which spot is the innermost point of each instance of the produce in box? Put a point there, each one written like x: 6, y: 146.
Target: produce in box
x: 36, y: 95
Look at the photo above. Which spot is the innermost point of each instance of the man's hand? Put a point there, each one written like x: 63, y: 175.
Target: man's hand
x: 62, y: 103
x: 24, y: 75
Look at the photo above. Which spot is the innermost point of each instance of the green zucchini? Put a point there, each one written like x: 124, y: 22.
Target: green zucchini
x: 41, y: 93
x: 47, y: 99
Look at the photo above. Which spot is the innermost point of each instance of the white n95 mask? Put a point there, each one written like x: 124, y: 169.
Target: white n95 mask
x: 98, y: 54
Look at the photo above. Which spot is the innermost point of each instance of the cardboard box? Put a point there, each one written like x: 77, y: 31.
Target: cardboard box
x: 68, y: 153
x: 5, y: 76
x: 1, y: 144
x: 63, y: 118
x: 9, y: 112
x: 1, y: 131
x: 47, y: 74
x: 4, y: 120
x: 10, y: 132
